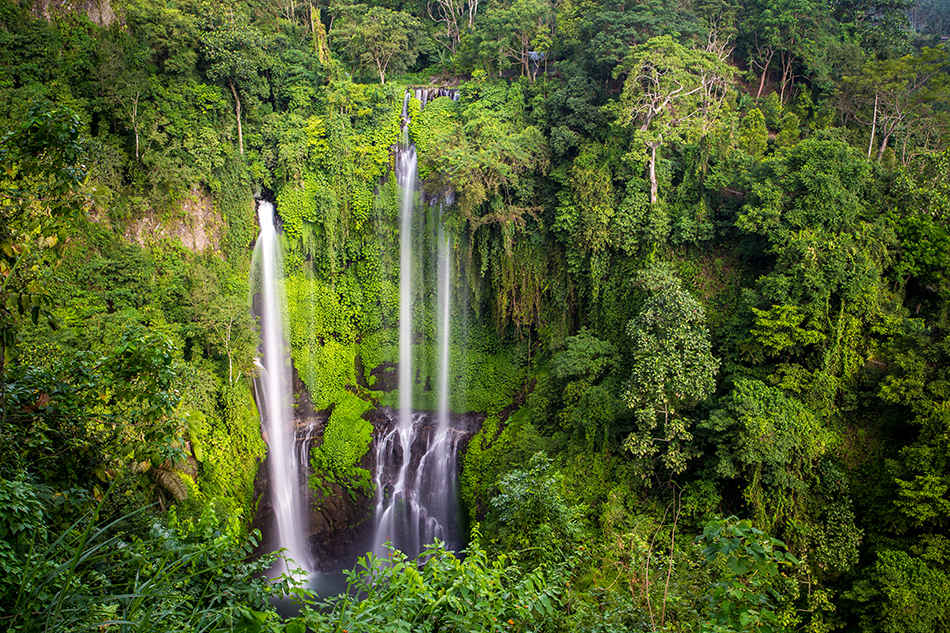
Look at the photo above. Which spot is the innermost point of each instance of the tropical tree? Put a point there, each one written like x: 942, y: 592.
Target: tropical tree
x: 486, y: 154
x: 124, y: 79
x: 671, y: 92
x: 234, y: 335
x: 777, y: 449
x: 611, y: 29
x: 231, y: 46
x: 885, y: 27
x: 381, y: 40
x: 584, y: 376
x: 171, y: 34
x: 810, y: 205
x: 753, y: 135
x: 673, y: 369
x: 456, y: 16
x: 750, y: 591
x: 515, y: 33
x: 902, y: 96
x: 783, y: 32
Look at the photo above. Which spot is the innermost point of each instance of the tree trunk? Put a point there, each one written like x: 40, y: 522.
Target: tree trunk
x: 880, y: 152
x: 653, y: 184
x: 237, y: 113
x: 135, y: 122
x: 787, y: 75
x: 765, y: 69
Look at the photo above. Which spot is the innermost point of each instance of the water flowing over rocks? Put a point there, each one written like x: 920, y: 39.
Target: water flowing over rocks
x: 340, y: 523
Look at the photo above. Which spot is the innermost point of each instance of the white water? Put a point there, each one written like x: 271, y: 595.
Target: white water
x: 387, y: 505
x: 445, y: 317
x: 416, y: 497
x: 277, y: 396
x: 440, y: 459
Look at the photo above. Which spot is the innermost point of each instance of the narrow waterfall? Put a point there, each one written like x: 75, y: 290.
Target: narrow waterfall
x: 274, y: 393
x: 393, y: 518
x: 440, y: 459
x: 416, y: 460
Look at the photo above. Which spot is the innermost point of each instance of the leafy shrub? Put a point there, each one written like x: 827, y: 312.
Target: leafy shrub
x: 345, y: 441
x: 439, y: 591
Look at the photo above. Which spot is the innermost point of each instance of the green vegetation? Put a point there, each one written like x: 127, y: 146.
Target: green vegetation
x: 700, y: 270
x: 345, y: 440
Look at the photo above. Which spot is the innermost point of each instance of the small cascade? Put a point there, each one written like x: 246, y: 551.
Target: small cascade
x: 274, y: 394
x: 304, y: 436
x: 425, y: 95
x: 416, y: 468
x: 416, y: 460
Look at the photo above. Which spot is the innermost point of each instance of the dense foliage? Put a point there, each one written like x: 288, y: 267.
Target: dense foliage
x: 701, y: 257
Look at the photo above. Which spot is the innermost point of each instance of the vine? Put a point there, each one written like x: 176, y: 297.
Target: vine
x: 345, y: 441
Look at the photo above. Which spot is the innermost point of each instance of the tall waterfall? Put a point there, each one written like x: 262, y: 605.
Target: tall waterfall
x: 440, y: 459
x: 416, y: 460
x: 274, y: 393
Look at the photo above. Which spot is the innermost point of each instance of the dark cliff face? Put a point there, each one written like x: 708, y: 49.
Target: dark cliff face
x: 340, y: 522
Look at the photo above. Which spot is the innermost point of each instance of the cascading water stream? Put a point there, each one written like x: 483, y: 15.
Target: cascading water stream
x: 386, y: 506
x: 276, y: 397
x: 440, y: 459
x: 445, y: 316
x: 416, y: 463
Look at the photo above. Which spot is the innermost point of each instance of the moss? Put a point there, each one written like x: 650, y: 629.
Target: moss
x: 497, y: 449
x: 345, y: 441
x: 429, y: 125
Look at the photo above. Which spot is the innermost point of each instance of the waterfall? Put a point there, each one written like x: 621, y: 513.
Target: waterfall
x: 445, y: 313
x: 442, y: 452
x: 275, y: 396
x: 416, y: 460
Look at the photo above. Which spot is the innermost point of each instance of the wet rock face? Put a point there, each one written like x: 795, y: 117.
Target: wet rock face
x: 385, y: 419
x: 416, y: 474
x: 339, y: 524
x: 387, y: 376
x: 265, y: 518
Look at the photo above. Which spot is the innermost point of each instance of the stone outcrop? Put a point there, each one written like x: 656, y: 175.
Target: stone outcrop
x: 198, y: 227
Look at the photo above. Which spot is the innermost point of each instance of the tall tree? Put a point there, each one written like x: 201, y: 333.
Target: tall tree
x: 882, y: 25
x: 171, y: 33
x: 515, y: 33
x: 456, y: 17
x: 673, y: 368
x: 610, y: 30
x: 231, y: 45
x: 904, y: 96
x: 381, y: 40
x: 671, y: 92
x: 784, y: 33
x: 124, y: 79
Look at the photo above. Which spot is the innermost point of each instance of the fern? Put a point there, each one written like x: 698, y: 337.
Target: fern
x: 167, y: 477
